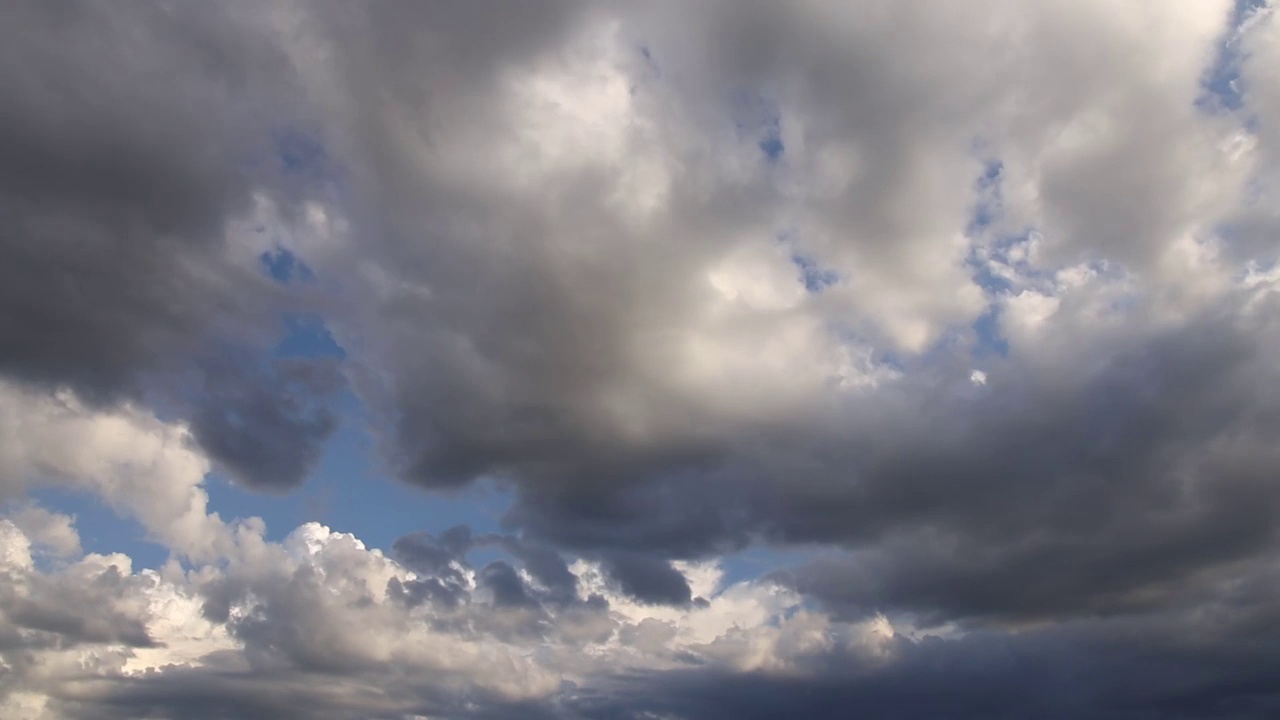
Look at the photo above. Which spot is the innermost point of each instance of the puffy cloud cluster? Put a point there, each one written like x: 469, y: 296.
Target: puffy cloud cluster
x: 976, y: 304
x: 319, y: 626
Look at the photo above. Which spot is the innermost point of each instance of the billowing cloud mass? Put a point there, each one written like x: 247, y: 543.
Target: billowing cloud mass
x: 956, y: 322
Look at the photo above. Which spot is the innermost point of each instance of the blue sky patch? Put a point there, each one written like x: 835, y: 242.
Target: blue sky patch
x: 101, y: 530
x: 988, y: 207
x: 986, y: 331
x: 285, y: 267
x: 349, y: 491
x: 1222, y: 89
x: 771, y: 144
x: 816, y: 278
x: 759, y: 117
x: 299, y: 153
x: 307, y: 336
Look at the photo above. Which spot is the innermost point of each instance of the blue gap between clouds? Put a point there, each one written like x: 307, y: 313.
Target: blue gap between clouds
x: 758, y: 560
x: 986, y: 330
x: 987, y: 211
x: 347, y: 495
x: 307, y: 336
x: 815, y: 277
x: 283, y: 266
x: 771, y: 145
x: 760, y: 116
x: 990, y: 197
x: 300, y: 154
x: 347, y: 492
x: 1221, y: 89
x: 101, y: 530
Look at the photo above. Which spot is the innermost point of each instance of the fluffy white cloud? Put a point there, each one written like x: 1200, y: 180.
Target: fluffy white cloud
x: 140, y: 466
x: 320, y: 604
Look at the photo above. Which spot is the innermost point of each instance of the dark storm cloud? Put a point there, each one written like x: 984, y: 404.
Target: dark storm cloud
x: 130, y: 135
x: 282, y: 696
x: 271, y: 696
x: 1212, y: 658
x: 546, y: 567
x: 1209, y: 659
x: 1105, y: 487
x: 648, y: 579
x: 425, y: 552
x: 265, y: 424
x: 502, y: 582
x: 691, y: 510
x: 121, y: 174
x: 441, y: 562
x: 1111, y: 492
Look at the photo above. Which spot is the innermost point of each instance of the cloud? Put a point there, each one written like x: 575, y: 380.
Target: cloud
x: 648, y: 579
x: 1107, y: 490
x: 975, y: 307
x: 94, y: 601
x: 583, y: 279
x: 131, y: 136
x: 315, y: 632
x: 314, y: 627
x: 53, y: 531
x: 267, y: 425
x: 141, y: 467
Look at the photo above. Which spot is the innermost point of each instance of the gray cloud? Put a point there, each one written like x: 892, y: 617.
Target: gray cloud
x: 268, y: 426
x: 131, y: 137
x: 504, y: 585
x: 978, y: 306
x: 533, y: 328
x: 1115, y: 668
x: 1149, y: 472
x: 85, y: 609
x: 441, y: 561
x: 545, y: 566
x: 648, y: 579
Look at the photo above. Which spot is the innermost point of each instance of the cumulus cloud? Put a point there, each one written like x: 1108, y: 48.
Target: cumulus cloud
x: 319, y: 626
x: 140, y: 466
x: 315, y: 627
x: 974, y: 306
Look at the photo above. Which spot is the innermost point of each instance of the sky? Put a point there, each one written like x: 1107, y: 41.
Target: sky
x: 639, y: 361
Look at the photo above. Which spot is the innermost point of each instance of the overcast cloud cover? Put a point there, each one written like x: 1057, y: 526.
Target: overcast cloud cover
x: 957, y: 324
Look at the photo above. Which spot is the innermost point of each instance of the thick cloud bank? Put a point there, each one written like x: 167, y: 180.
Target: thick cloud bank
x: 973, y: 309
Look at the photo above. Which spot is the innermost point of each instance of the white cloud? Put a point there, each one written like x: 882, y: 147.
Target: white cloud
x: 54, y: 531
x: 322, y: 600
x: 142, y: 467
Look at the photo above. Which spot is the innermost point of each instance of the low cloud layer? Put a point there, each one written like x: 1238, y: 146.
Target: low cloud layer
x: 971, y: 310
